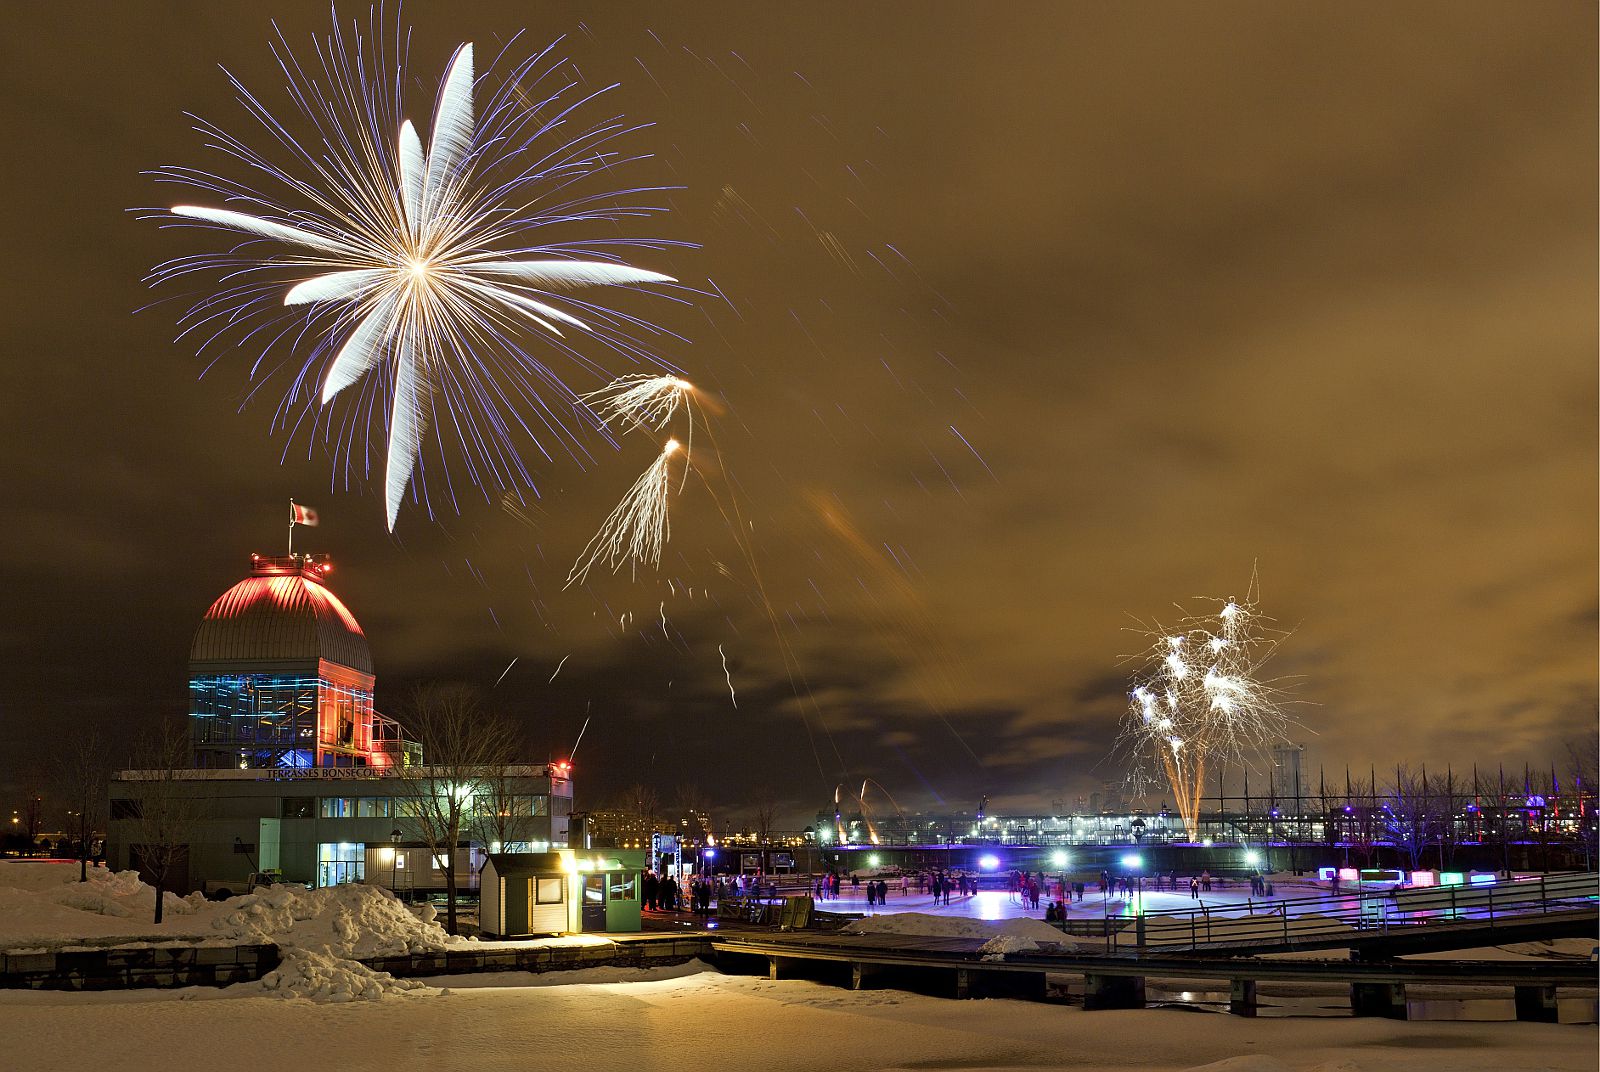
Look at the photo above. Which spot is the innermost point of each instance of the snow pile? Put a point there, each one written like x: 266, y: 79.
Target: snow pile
x: 1000, y: 936
x: 342, y: 921
x: 997, y: 948
x: 43, y: 903
x: 322, y: 933
x: 319, y: 977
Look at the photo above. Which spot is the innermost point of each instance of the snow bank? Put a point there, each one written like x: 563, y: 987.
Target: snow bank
x: 1000, y: 936
x: 44, y: 904
x: 321, y: 977
x: 321, y: 933
x: 344, y: 921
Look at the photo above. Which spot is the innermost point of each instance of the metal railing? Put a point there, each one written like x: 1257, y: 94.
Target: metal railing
x: 1321, y: 919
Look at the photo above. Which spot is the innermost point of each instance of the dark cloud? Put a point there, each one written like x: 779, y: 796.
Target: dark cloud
x: 1311, y: 289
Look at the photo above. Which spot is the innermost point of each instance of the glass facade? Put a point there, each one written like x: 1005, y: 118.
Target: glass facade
x: 278, y: 720
x: 341, y: 862
x: 522, y: 806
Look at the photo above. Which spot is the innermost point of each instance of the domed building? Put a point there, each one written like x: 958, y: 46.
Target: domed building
x: 280, y: 676
x: 295, y: 775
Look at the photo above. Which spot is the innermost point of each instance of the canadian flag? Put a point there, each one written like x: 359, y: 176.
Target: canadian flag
x: 301, y: 515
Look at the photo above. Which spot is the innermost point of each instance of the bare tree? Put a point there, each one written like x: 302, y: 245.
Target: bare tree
x: 1583, y: 759
x: 165, y: 807
x: 1449, y: 798
x: 1361, y: 797
x: 82, y: 771
x: 764, y: 816
x: 641, y: 804
x: 1405, y: 813
x: 500, y: 815
x: 464, y: 748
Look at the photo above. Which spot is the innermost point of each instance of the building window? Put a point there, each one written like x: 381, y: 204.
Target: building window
x: 299, y: 807
x: 126, y: 809
x: 338, y: 807
x: 374, y: 808
x: 341, y: 862
x: 548, y: 891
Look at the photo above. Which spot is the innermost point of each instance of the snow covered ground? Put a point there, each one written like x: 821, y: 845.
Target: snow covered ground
x: 685, y: 1018
x: 636, y: 1020
x: 319, y: 933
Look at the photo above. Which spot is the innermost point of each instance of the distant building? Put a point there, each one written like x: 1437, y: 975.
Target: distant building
x: 1288, y: 786
x: 616, y: 829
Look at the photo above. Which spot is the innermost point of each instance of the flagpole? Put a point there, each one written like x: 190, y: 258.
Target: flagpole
x: 291, y: 528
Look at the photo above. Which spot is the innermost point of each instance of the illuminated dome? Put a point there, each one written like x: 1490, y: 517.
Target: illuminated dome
x: 281, y: 615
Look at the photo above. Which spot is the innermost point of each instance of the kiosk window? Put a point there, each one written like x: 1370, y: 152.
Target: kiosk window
x: 622, y: 887
x: 548, y: 891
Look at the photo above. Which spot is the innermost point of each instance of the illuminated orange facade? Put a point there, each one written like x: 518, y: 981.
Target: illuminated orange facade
x: 280, y: 676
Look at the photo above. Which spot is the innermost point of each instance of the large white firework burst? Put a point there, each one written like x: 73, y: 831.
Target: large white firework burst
x: 1199, y: 703
x: 417, y: 256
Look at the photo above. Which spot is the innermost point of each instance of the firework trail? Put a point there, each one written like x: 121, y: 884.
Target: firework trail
x: 733, y: 697
x: 559, y: 665
x: 1200, y: 703
x: 504, y: 672
x: 643, y: 401
x: 419, y: 258
x: 638, y: 527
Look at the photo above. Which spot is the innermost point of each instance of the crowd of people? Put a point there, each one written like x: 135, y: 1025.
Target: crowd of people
x: 698, y: 893
x: 664, y: 893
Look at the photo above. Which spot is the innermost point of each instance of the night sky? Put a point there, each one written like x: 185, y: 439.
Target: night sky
x: 1037, y: 317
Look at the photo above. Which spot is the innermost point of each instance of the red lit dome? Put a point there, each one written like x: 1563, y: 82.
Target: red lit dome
x: 282, y: 615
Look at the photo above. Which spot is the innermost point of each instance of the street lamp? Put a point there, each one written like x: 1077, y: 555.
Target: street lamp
x: 394, y: 860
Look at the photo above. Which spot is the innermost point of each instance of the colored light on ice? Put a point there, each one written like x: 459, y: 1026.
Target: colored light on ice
x: 1424, y: 878
x: 1326, y: 874
x: 1349, y: 874
x: 1451, y: 878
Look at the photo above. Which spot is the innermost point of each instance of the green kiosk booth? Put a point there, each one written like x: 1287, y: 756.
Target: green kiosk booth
x: 565, y: 891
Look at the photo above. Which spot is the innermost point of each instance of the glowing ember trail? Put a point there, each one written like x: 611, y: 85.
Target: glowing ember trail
x: 638, y: 528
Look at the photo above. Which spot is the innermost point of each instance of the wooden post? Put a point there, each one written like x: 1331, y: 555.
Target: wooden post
x: 1242, y: 997
x: 1113, y: 992
x: 963, y: 983
x: 1378, y: 999
x: 1536, y: 1004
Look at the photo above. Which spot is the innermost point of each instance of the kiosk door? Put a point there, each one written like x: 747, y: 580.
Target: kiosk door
x: 594, y: 903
